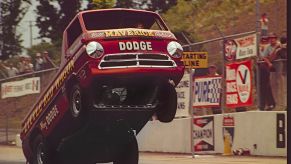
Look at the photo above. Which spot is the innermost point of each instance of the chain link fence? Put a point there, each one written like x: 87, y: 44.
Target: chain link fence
x: 14, y: 109
x: 215, y: 49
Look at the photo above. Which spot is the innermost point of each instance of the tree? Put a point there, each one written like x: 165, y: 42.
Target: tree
x: 53, y: 20
x: 12, y: 12
x: 100, y: 4
x: 124, y: 4
x: 161, y: 6
x: 131, y: 4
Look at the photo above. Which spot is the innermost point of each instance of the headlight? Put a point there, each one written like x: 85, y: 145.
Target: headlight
x: 94, y: 49
x: 175, y: 49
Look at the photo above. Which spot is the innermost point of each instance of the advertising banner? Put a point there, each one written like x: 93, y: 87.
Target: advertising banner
x: 20, y: 88
x: 239, y: 84
x: 228, y: 133
x: 183, y: 95
x: 195, y: 59
x: 240, y: 48
x: 203, y: 134
x: 207, y: 91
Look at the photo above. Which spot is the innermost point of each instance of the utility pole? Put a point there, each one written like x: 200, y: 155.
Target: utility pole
x: 1, y: 30
x: 30, y: 25
x: 30, y: 31
x: 258, y: 84
x: 223, y: 82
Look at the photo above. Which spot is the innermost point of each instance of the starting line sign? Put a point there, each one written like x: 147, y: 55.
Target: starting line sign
x: 195, y: 59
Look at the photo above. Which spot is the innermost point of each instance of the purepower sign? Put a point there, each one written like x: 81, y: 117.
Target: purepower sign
x: 20, y: 88
x: 206, y: 91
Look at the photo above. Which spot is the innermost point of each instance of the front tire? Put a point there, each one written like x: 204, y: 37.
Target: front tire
x: 167, y: 107
x: 75, y: 98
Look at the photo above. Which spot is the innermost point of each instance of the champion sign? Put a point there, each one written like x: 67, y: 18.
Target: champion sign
x: 203, y: 134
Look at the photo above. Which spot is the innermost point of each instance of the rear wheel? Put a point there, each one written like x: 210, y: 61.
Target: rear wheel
x: 129, y: 155
x: 41, y: 154
x: 167, y: 107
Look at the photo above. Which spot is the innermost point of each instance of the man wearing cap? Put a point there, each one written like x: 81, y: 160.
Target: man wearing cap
x: 47, y: 61
x: 212, y: 71
x: 38, y: 62
x: 267, y: 98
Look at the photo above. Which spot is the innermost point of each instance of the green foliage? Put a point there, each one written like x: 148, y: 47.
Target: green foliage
x: 125, y: 4
x: 207, y: 15
x: 52, y: 20
x: 161, y: 6
x: 53, y: 51
x: 101, y: 4
x: 12, y: 12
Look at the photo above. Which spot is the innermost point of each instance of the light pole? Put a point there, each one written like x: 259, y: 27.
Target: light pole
x: 30, y: 32
x: 258, y: 54
x: 1, y: 30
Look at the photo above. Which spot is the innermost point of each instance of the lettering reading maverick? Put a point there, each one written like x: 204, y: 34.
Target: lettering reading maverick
x: 129, y: 33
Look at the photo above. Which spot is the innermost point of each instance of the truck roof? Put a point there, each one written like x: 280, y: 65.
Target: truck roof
x: 111, y: 17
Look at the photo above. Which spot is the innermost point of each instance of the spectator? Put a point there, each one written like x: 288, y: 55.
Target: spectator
x: 279, y: 78
x: 267, y: 98
x: 263, y: 44
x: 25, y: 65
x: 264, y: 25
x: 38, y: 62
x: 11, y: 70
x: 29, y: 65
x: 47, y: 62
x: 269, y: 53
x: 281, y: 51
x: 21, y: 65
x: 3, y: 71
x: 212, y: 70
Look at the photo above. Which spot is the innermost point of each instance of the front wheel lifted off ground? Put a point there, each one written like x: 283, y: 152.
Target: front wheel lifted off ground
x: 167, y: 108
x: 75, y: 99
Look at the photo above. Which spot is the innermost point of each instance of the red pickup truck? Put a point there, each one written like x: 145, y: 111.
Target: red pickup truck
x: 119, y: 67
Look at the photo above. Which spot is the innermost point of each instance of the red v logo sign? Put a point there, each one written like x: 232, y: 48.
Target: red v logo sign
x: 243, y: 79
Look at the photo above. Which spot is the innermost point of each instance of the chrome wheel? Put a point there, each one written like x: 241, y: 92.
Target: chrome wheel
x: 40, y: 153
x: 76, y: 103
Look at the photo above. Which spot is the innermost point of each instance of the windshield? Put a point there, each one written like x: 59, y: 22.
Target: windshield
x: 122, y: 19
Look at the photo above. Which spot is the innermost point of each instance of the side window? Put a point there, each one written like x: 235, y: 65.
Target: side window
x: 73, y: 32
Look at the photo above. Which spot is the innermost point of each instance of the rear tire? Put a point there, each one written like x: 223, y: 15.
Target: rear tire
x: 41, y: 154
x: 167, y: 108
x: 129, y: 154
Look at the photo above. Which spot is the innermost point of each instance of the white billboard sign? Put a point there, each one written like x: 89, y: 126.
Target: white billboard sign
x: 20, y: 88
x: 183, y: 94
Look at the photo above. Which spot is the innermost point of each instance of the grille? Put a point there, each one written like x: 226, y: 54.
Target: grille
x: 136, y: 60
